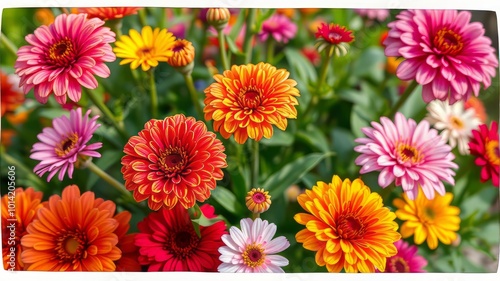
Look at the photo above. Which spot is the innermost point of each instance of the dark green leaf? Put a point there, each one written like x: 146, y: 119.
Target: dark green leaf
x: 109, y: 157
x: 227, y: 200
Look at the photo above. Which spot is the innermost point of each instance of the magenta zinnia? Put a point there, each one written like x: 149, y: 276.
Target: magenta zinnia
x: 279, y: 27
x: 173, y: 161
x: 443, y: 51
x: 64, y: 56
x: 65, y: 144
x: 484, y: 145
x: 408, y: 153
x: 168, y: 242
x: 406, y: 260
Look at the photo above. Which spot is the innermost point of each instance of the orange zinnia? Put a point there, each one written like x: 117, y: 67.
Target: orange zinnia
x: 130, y: 252
x: 72, y: 233
x: 348, y: 226
x: 248, y: 99
x: 18, y: 210
x: 109, y: 13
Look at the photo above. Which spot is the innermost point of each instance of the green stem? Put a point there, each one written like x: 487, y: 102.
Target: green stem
x: 153, y: 92
x: 194, y: 95
x: 252, y: 12
x: 254, y: 183
x: 142, y: 17
x: 403, y: 98
x: 25, y: 170
x: 323, y: 72
x: 105, y: 110
x: 255, y: 215
x: 116, y: 26
x: 270, y: 50
x: 222, y: 49
x: 109, y: 179
x: 8, y: 44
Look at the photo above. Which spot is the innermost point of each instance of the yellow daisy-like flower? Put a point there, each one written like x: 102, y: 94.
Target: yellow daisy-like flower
x: 430, y: 220
x: 247, y: 100
x: 347, y: 225
x: 146, y: 49
x: 258, y: 201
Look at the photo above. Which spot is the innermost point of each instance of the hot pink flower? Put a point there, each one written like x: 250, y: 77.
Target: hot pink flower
x: 406, y: 260
x: 278, y: 26
x: 443, y: 51
x: 408, y: 153
x: 64, y: 56
x: 484, y: 145
x: 373, y: 14
x: 61, y: 146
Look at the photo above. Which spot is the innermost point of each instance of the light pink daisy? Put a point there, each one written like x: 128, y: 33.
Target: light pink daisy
x: 278, y: 26
x: 251, y: 248
x: 408, y: 153
x: 406, y: 260
x: 64, y: 56
x: 65, y: 144
x: 373, y: 14
x: 443, y: 51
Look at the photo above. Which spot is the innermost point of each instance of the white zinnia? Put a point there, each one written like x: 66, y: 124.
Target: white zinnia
x: 454, y: 122
x: 251, y: 248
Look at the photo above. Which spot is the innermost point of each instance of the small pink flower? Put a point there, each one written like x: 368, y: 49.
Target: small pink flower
x: 406, y: 260
x: 278, y: 26
x: 408, y: 153
x: 61, y: 146
x: 443, y: 51
x: 373, y: 14
x: 64, y: 56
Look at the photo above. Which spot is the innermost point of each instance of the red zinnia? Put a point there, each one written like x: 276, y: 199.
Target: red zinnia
x: 109, y: 13
x: 484, y: 145
x: 175, y: 160
x: 11, y: 95
x: 168, y: 242
x: 334, y: 33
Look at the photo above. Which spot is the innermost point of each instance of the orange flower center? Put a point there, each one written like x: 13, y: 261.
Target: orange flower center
x: 448, y: 42
x: 182, y: 243
x: 398, y: 264
x: 62, y: 52
x: 350, y: 227
x: 71, y: 245
x: 145, y: 52
x: 173, y: 160
x: 408, y: 154
x: 492, y: 151
x: 456, y: 122
x: 253, y: 255
x: 66, y: 145
x: 250, y: 100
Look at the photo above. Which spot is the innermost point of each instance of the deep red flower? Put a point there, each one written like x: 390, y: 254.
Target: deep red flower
x: 168, y: 242
x: 175, y: 160
x: 334, y: 33
x: 484, y: 145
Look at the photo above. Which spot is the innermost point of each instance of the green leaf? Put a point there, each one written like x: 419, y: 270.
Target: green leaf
x: 292, y: 173
x: 370, y: 63
x: 279, y: 138
x: 315, y: 138
x: 227, y: 200
x: 109, y: 157
x: 232, y: 47
x: 303, y: 67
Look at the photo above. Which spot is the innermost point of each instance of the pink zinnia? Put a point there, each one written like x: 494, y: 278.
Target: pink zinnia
x: 484, y: 145
x: 373, y: 14
x: 65, y: 144
x: 64, y: 56
x: 408, y: 153
x: 278, y: 26
x: 168, y: 242
x: 406, y: 260
x: 443, y: 51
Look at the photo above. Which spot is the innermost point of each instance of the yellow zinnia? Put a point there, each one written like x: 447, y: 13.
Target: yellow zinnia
x: 146, y: 49
x: 428, y: 219
x: 348, y: 226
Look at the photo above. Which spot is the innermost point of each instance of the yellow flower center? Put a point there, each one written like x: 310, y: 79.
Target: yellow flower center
x: 350, y: 227
x: 456, y: 122
x: 448, y: 42
x: 62, y: 52
x: 492, y: 151
x: 182, y: 243
x: 172, y: 160
x: 70, y: 245
x: 66, y: 145
x: 253, y: 255
x: 398, y: 264
x: 408, y: 154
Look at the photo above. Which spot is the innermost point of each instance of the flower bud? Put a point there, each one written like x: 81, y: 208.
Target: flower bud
x: 258, y: 200
x: 218, y: 17
x: 183, y: 58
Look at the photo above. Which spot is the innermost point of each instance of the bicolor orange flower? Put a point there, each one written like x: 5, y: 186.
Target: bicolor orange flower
x: 18, y: 211
x: 72, y: 233
x: 11, y: 95
x: 430, y: 220
x: 130, y: 252
x: 109, y: 13
x: 247, y: 100
x: 258, y: 200
x: 347, y: 225
x: 173, y: 161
